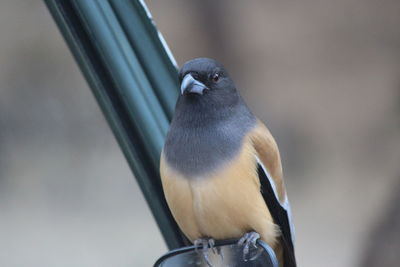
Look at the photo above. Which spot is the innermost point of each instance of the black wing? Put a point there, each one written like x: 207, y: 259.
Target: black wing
x: 280, y: 213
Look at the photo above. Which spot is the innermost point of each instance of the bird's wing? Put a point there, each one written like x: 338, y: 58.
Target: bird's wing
x: 273, y: 188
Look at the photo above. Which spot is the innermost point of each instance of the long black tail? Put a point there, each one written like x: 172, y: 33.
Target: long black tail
x: 280, y: 216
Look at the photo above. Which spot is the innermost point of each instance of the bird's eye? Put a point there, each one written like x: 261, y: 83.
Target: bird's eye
x: 215, y: 77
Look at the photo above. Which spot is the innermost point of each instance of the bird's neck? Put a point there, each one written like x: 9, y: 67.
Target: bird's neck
x: 202, y: 111
x: 200, y: 139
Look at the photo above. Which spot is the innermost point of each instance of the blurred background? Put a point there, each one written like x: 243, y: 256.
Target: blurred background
x: 323, y: 75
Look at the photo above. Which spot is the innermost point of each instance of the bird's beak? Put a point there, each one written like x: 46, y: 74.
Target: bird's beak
x: 191, y: 85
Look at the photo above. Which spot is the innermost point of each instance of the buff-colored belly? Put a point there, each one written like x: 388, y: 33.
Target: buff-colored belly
x: 224, y: 204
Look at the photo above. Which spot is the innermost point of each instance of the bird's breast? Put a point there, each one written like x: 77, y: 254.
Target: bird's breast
x: 225, y: 203
x: 196, y: 151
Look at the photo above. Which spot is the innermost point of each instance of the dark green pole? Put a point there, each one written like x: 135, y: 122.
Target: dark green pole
x: 132, y: 75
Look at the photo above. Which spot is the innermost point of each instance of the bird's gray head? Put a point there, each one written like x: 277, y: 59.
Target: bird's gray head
x: 210, y: 119
x: 204, y: 79
x: 208, y: 94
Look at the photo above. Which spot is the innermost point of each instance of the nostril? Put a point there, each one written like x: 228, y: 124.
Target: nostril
x: 195, y: 75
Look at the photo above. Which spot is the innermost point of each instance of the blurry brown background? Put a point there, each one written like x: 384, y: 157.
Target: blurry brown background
x: 323, y: 75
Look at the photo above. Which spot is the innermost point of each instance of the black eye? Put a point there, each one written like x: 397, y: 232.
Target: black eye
x: 215, y: 77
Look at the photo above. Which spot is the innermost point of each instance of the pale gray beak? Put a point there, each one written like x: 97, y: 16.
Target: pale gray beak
x: 191, y: 85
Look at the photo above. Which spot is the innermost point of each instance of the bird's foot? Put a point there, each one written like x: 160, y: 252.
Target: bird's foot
x: 247, y: 240
x: 205, y: 245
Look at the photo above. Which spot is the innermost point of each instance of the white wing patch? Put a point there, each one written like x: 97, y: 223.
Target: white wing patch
x: 285, y: 205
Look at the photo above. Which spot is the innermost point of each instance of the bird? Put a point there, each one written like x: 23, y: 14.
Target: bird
x: 220, y: 166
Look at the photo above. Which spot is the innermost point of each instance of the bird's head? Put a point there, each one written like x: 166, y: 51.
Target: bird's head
x: 202, y: 76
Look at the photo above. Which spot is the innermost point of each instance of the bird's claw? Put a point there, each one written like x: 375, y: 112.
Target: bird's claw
x: 205, y: 245
x: 247, y: 240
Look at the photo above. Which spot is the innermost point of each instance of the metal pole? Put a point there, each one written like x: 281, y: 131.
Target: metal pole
x: 132, y: 75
